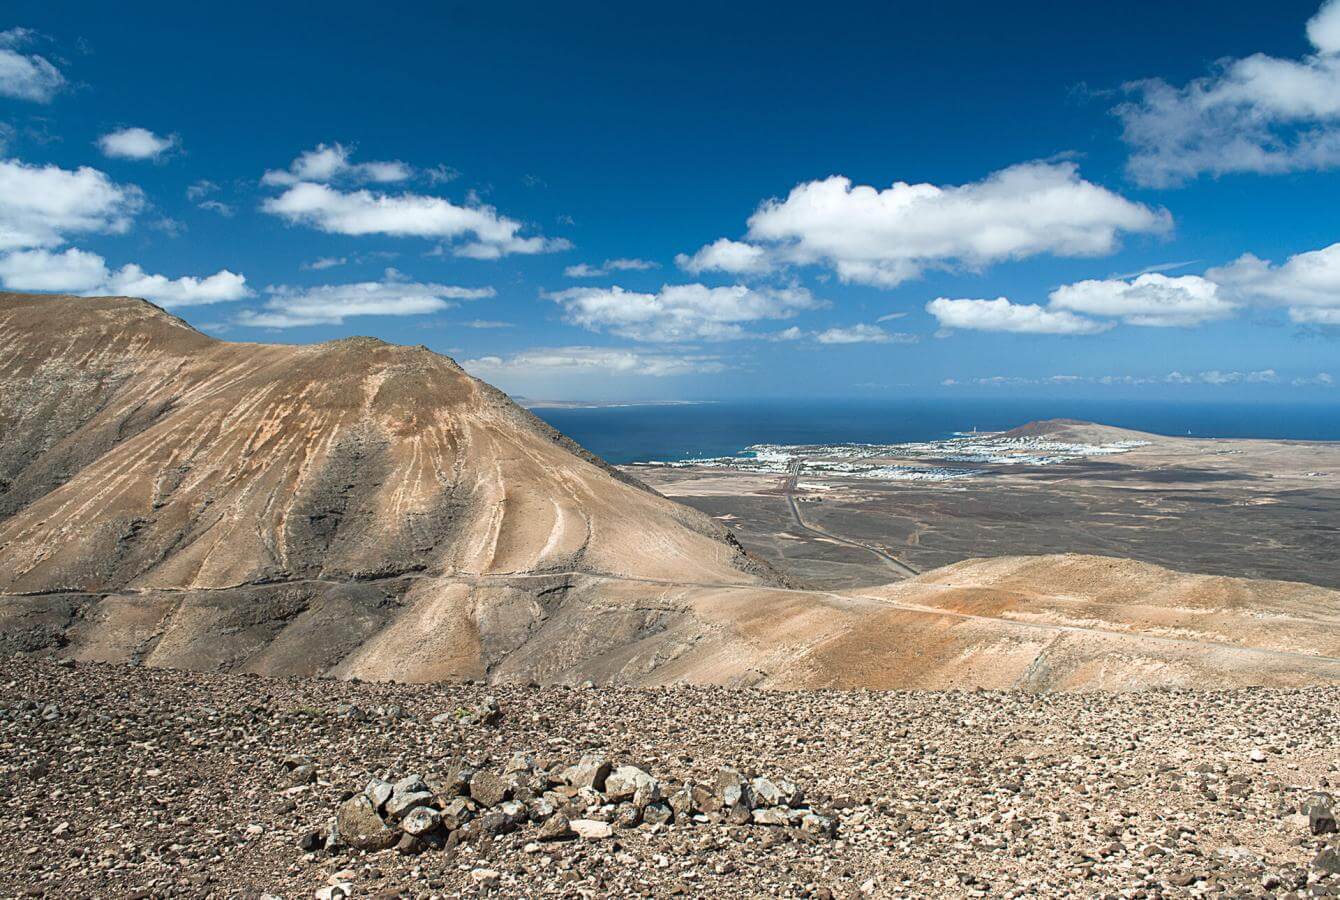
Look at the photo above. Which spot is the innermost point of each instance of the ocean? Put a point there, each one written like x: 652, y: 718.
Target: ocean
x: 644, y: 433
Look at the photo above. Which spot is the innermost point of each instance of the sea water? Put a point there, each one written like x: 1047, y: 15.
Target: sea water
x: 642, y: 433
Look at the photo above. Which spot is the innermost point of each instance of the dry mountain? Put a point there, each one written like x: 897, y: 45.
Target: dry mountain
x: 361, y: 509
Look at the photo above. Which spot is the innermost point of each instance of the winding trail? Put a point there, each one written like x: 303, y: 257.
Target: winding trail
x: 789, y: 488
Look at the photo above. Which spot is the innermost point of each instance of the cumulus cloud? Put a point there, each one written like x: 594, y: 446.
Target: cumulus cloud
x: 364, y: 212
x: 135, y: 143
x: 132, y: 281
x: 331, y: 304
x: 593, y: 360
x: 80, y: 272
x: 40, y: 205
x: 885, y: 237
x: 1257, y: 114
x: 73, y: 271
x: 330, y: 162
x: 725, y: 255
x: 862, y: 334
x: 1002, y: 315
x: 684, y: 312
x: 1308, y: 284
x: 1151, y: 299
x: 26, y: 76
x: 623, y: 264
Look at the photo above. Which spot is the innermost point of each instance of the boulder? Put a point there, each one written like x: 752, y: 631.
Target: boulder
x: 774, y: 815
x: 457, y: 782
x: 379, y: 792
x: 488, y: 789
x: 629, y: 782
x: 556, y: 828
x: 732, y: 789
x: 813, y: 823
x: 420, y: 820
x: 681, y: 802
x: 658, y: 814
x: 1320, y: 812
x: 456, y: 813
x: 629, y: 816
x: 591, y: 829
x: 359, y: 825
x: 591, y: 772
x: 402, y: 802
x: 792, y: 796
x: 766, y: 793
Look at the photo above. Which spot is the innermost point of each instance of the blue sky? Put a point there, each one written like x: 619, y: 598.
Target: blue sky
x: 705, y: 201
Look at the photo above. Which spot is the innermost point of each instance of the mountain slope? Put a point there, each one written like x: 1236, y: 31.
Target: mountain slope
x: 314, y: 489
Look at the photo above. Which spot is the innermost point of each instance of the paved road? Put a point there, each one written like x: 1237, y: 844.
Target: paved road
x: 789, y: 487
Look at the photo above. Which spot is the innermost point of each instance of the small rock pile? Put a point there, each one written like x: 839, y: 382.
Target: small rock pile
x: 587, y: 800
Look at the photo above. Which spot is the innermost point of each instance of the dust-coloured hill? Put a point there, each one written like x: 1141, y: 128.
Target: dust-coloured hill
x: 365, y: 510
x: 177, y: 500
x: 1077, y: 431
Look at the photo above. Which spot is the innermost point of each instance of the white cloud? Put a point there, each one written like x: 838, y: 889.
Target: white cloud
x: 1216, y: 377
x: 325, y: 262
x: 331, y: 304
x: 1323, y: 29
x: 135, y: 143
x: 329, y: 162
x: 885, y: 237
x: 684, y: 312
x: 1306, y: 316
x: 583, y: 270
x: 593, y: 360
x: 216, y: 206
x: 363, y: 212
x: 625, y: 264
x: 1256, y: 114
x: 725, y: 255
x: 222, y: 286
x: 26, y: 77
x: 1002, y: 315
x: 73, y: 271
x: 487, y: 324
x: 860, y: 334
x: 889, y: 317
x: 1307, y: 283
x: 1321, y: 379
x: 80, y: 272
x: 1150, y: 299
x: 1212, y: 377
x: 200, y: 189
x: 39, y: 205
x: 441, y: 174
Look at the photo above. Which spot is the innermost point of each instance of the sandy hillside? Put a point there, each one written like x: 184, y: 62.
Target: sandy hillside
x: 366, y: 510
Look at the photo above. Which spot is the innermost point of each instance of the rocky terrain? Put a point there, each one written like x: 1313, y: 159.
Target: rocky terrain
x: 139, y: 782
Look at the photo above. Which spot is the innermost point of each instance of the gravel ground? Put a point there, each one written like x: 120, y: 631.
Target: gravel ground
x: 133, y: 782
